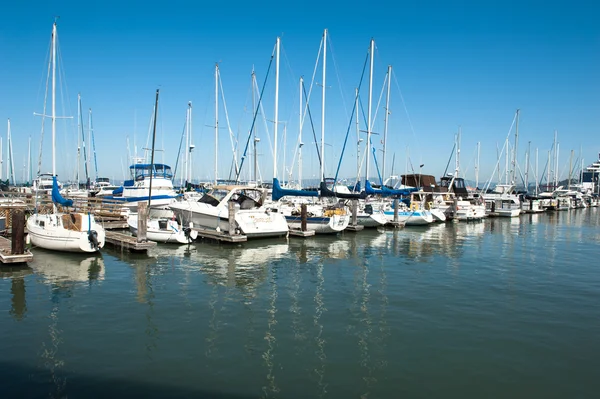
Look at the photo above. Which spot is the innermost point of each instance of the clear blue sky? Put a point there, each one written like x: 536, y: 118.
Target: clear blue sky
x: 466, y: 63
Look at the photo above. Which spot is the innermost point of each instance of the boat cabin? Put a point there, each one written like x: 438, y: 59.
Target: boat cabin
x: 141, y: 171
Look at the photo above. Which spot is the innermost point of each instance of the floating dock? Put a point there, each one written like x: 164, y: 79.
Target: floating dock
x: 220, y: 236
x: 7, y: 257
x: 300, y: 233
x: 120, y: 240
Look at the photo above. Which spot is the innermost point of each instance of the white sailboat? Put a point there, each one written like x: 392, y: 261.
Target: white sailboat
x: 72, y: 232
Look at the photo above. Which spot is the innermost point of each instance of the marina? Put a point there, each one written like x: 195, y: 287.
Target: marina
x: 368, y: 313
x: 213, y: 201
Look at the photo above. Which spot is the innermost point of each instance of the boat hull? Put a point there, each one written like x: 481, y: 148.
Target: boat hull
x: 49, y: 232
x: 164, y: 231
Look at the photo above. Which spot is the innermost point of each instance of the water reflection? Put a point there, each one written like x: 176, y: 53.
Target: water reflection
x: 18, y: 301
x: 57, y: 268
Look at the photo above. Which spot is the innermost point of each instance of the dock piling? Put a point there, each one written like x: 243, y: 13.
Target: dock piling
x: 142, y: 221
x: 18, y: 232
x: 231, y: 209
x: 303, y: 217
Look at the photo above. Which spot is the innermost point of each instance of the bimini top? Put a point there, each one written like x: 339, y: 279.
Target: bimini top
x: 139, y: 171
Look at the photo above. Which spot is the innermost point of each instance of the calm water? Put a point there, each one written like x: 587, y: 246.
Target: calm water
x: 502, y: 308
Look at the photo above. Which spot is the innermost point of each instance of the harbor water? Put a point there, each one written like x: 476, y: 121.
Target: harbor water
x: 503, y: 308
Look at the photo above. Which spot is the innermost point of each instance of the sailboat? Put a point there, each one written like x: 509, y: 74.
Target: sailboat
x: 72, y: 232
x: 324, y: 216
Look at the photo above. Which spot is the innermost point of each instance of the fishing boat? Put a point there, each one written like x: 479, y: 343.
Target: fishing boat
x: 63, y: 231
x: 211, y: 212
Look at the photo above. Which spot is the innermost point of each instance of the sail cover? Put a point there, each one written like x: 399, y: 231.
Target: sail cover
x: 56, y: 197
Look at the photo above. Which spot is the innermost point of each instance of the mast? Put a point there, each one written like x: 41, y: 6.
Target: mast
x: 556, y: 166
x: 371, y: 51
x: 570, y: 170
x: 93, y: 146
x: 10, y: 165
x: 506, y: 164
x: 191, y: 145
x: 358, y: 139
x: 537, y: 178
x: 555, y: 177
x: 28, y: 161
x: 152, y: 153
x: 387, y: 117
x: 78, y: 138
x: 1, y: 158
x: 255, y: 139
x: 323, y: 107
x: 300, y: 143
x: 53, y: 116
x: 187, y: 146
x: 276, y: 122
x: 477, y: 165
x: 457, y: 166
x: 216, y: 121
x: 513, y: 177
x: 527, y: 167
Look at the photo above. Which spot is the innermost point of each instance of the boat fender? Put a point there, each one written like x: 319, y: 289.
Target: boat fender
x: 93, y: 238
x: 430, y: 203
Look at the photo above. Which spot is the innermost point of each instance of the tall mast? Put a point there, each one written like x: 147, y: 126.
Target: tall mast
x: 371, y: 50
x: 506, y: 164
x: 556, y: 171
x: 152, y: 151
x: 10, y: 173
x: 254, y: 138
x: 555, y: 160
x: 78, y: 138
x: 477, y: 165
x: 387, y: 117
x: 300, y: 143
x: 322, y: 177
x: 276, y: 108
x: 457, y: 166
x: 187, y: 146
x: 570, y: 170
x: 549, y: 177
x: 527, y: 167
x: 537, y: 179
x: 53, y: 116
x: 191, y: 146
x: 216, y: 120
x: 514, y: 158
x: 1, y: 158
x: 358, y: 139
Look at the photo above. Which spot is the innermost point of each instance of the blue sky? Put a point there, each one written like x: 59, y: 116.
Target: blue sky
x: 456, y: 64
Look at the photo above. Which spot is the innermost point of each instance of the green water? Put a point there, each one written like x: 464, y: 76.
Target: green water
x: 497, y: 309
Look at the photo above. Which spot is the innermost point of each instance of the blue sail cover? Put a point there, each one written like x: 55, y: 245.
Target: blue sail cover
x: 279, y: 192
x: 56, y: 197
x: 387, y: 192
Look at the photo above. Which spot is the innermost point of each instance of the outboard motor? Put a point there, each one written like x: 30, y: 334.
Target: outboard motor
x: 93, y: 239
x: 187, y: 231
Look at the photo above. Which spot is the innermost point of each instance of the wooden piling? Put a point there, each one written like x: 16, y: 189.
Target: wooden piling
x: 303, y: 217
x: 396, y: 205
x: 231, y: 209
x: 18, y: 232
x: 142, y: 221
x: 354, y: 216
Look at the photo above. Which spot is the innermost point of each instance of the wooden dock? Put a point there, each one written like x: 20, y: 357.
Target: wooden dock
x: 7, y: 257
x: 220, y: 236
x: 125, y: 241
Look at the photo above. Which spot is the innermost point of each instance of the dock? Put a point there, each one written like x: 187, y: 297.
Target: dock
x: 7, y: 257
x: 125, y: 241
x: 220, y: 236
x: 300, y: 233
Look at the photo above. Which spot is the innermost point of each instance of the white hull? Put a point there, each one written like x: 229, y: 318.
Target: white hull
x: 49, y: 232
x: 250, y: 222
x: 438, y: 215
x: 166, y: 231
x: 373, y: 220
x: 509, y: 213
x: 411, y: 218
x: 320, y: 225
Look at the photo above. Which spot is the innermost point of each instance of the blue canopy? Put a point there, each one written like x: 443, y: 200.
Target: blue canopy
x: 56, y: 197
x: 387, y: 192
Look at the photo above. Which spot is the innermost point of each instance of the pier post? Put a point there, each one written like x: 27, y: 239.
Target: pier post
x: 18, y: 231
x: 396, y: 204
x: 455, y: 201
x: 354, y: 212
x: 231, y: 209
x: 303, y: 217
x: 142, y: 222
